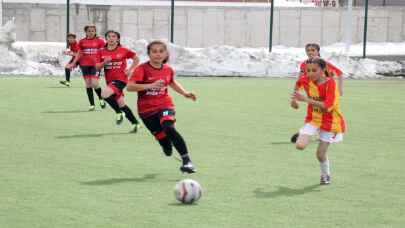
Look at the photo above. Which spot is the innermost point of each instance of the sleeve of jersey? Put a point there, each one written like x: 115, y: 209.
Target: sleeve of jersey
x: 332, y: 95
x: 101, y: 43
x: 173, y: 73
x: 333, y: 68
x: 137, y: 75
x: 299, y: 84
x: 302, y: 68
x: 130, y: 54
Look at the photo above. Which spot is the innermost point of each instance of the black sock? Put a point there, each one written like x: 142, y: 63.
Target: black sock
x: 90, y: 95
x: 113, y: 103
x: 67, y: 74
x: 98, y: 92
x: 128, y: 113
x: 177, y: 140
x: 166, y: 145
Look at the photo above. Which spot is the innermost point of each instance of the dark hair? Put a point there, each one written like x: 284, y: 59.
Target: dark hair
x: 314, y: 45
x: 87, y: 27
x: 158, y: 42
x: 71, y: 35
x: 116, y: 33
x: 321, y: 63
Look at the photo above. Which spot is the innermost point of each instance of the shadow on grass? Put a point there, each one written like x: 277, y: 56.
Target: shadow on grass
x: 95, y: 135
x: 281, y: 143
x: 285, y: 191
x: 178, y: 204
x: 68, y: 111
x: 111, y: 181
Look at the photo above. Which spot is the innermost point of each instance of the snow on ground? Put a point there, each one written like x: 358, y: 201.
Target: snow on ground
x: 46, y: 58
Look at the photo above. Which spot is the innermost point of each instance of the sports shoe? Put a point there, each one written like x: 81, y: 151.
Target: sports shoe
x: 188, y: 168
x: 135, y: 128
x: 325, y: 179
x: 294, y: 138
x: 102, y: 104
x: 92, y: 108
x: 65, y: 83
x: 119, y: 118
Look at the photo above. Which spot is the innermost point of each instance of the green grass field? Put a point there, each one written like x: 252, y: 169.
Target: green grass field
x: 61, y: 166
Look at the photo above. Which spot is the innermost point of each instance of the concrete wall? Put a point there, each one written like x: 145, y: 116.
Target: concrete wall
x: 206, y: 26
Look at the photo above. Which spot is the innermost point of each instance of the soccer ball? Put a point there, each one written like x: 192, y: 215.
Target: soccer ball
x: 187, y: 191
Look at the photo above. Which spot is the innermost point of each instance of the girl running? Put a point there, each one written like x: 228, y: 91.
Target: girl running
x: 89, y: 48
x: 323, y: 113
x: 113, y: 58
x: 312, y: 50
x: 155, y: 105
x: 73, y: 49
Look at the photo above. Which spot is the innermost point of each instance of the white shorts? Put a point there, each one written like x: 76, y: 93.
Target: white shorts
x: 330, y: 137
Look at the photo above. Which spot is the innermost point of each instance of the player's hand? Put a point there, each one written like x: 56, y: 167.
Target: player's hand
x: 190, y: 95
x: 159, y: 84
x: 294, y: 104
x: 107, y: 59
x: 298, y: 96
x: 70, y: 66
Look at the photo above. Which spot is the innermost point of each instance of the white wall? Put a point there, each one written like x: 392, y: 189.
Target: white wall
x: 202, y: 26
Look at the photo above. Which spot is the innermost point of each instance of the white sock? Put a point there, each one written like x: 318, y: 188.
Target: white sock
x: 325, y: 167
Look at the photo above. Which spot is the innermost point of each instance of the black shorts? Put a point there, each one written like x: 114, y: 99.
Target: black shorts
x: 88, y: 71
x: 154, y: 122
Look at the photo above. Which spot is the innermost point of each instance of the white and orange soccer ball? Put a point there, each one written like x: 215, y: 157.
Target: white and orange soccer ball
x: 187, y: 191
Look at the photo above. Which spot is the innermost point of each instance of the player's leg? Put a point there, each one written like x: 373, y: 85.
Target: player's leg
x: 326, y: 138
x: 323, y: 162
x: 96, y: 86
x: 109, y: 96
x: 167, y: 120
x: 305, y: 135
x: 66, y: 82
x: 128, y: 113
x: 152, y: 123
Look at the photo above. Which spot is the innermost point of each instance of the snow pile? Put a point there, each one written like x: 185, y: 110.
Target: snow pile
x: 46, y: 58
x: 25, y: 58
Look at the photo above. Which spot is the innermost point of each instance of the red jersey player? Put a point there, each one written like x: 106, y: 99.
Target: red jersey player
x: 87, y: 57
x: 323, y: 112
x: 155, y: 105
x: 113, y: 58
x: 72, y: 51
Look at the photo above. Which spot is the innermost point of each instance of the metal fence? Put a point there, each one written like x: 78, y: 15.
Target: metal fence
x: 208, y: 24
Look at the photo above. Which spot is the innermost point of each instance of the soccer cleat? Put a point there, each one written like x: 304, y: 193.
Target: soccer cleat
x: 65, y: 83
x: 119, y: 118
x: 92, y: 108
x: 102, y: 104
x: 188, y: 168
x: 325, y: 179
x: 135, y: 128
x: 294, y: 138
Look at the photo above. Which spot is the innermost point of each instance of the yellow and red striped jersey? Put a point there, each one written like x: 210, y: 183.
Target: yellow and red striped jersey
x: 330, y: 119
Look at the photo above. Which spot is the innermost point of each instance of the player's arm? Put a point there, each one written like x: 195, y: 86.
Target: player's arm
x: 340, y: 84
x: 135, y: 62
x: 302, y: 98
x: 77, y: 56
x: 176, y: 86
x: 104, y: 61
x: 132, y: 86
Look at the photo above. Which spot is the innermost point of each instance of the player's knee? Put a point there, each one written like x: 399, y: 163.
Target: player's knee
x: 300, y: 145
x: 168, y: 126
